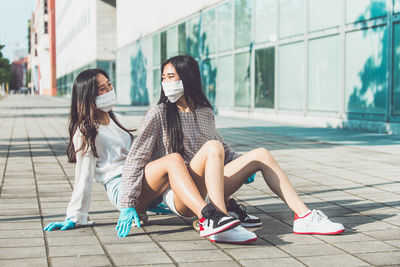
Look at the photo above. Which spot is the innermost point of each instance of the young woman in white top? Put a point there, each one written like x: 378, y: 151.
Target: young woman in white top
x: 183, y: 122
x: 99, y: 145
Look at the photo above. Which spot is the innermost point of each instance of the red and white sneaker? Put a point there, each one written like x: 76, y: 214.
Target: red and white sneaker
x: 238, y: 235
x: 316, y: 223
x: 214, y: 221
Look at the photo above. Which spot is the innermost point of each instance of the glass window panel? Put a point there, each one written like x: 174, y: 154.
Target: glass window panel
x: 265, y: 20
x: 172, y: 42
x: 156, y: 50
x: 323, y: 74
x: 396, y: 6
x: 291, y: 17
x: 146, y: 47
x: 366, y: 71
x: 138, y: 75
x: 163, y: 48
x: 324, y: 14
x: 225, y: 83
x: 358, y: 10
x: 225, y: 27
x: 242, y: 23
x: 182, y: 38
x: 156, y: 84
x: 265, y: 77
x: 193, y: 37
x: 242, y: 80
x: 396, y: 70
x: 209, y: 78
x: 208, y: 34
x: 291, y: 76
x: 149, y: 82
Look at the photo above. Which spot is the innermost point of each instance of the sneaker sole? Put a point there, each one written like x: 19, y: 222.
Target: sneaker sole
x: 236, y: 243
x: 233, y: 224
x: 316, y: 233
x: 251, y: 225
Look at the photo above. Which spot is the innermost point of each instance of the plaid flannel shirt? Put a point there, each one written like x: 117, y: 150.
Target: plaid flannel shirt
x: 152, y: 143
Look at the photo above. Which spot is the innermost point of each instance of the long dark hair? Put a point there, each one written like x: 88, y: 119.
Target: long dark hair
x: 188, y: 70
x: 83, y: 112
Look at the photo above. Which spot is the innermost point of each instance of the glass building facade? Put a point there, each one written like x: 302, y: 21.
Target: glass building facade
x: 317, y: 58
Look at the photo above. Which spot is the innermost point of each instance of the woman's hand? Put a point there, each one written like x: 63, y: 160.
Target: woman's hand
x: 125, y: 221
x: 65, y: 225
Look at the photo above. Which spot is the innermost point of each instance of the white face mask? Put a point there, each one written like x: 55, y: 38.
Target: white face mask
x: 173, y: 90
x: 106, y: 102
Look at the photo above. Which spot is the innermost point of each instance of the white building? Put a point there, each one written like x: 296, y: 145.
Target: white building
x: 333, y: 63
x: 41, y: 54
x: 86, y: 38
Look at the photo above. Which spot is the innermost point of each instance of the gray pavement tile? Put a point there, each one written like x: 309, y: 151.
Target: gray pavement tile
x: 395, y: 243
x: 80, y: 231
x: 17, y: 242
x: 198, y: 255
x: 385, y: 235
x: 97, y: 260
x: 22, y: 252
x: 20, y: 226
x: 21, y: 233
x: 260, y: 243
x: 187, y: 245
x: 278, y: 262
x: 71, y: 240
x: 288, y: 239
x: 381, y: 258
x: 141, y: 258
x: 248, y: 252
x: 20, y: 212
x: 114, y: 239
x: 75, y: 250
x: 209, y: 264
x: 365, y: 247
x: 132, y: 248
x: 345, y: 237
x: 333, y: 260
x: 373, y: 226
x: 311, y: 250
x: 31, y: 262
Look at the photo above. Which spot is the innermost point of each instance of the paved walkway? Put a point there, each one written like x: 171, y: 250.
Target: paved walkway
x: 352, y: 176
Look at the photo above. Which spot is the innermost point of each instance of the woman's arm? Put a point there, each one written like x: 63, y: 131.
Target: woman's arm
x: 139, y: 155
x: 78, y: 207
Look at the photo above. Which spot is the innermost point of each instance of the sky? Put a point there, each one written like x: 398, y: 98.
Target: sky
x: 14, y: 16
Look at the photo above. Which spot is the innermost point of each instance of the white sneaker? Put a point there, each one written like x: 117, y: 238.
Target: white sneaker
x: 317, y: 223
x: 237, y: 235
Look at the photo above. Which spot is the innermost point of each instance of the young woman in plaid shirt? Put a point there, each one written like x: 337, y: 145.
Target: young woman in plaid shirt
x: 183, y: 123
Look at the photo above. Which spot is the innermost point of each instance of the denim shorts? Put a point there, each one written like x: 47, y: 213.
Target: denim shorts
x: 112, y: 188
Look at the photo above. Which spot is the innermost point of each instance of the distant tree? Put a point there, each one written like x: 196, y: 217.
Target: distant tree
x: 5, y: 68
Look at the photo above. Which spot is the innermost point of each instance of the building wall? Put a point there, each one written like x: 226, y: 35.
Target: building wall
x: 135, y: 20
x: 86, y: 38
x: 324, y: 62
x: 41, y: 43
x: 75, y: 25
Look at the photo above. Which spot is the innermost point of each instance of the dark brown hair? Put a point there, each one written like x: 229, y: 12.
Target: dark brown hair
x: 188, y: 70
x: 83, y: 113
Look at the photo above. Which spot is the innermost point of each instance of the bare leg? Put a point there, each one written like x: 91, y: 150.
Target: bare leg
x: 206, y: 169
x: 172, y: 170
x: 237, y: 171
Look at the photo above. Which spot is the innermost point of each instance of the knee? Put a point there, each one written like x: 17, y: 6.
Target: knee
x: 214, y: 148
x: 263, y: 155
x: 175, y: 158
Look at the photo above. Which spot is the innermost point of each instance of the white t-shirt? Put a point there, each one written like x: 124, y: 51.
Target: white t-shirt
x: 112, y: 145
